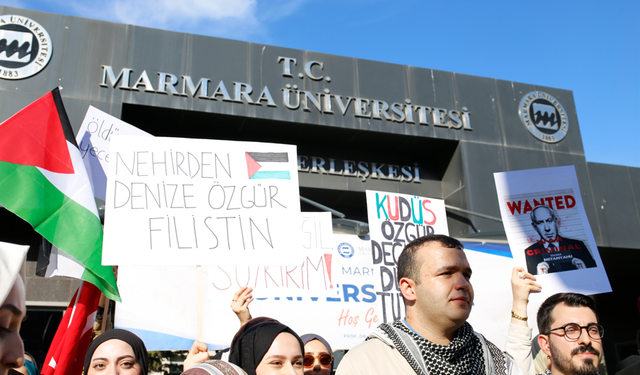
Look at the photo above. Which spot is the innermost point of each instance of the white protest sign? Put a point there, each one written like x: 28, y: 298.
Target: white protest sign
x: 93, y: 140
x: 492, y: 265
x: 179, y: 201
x: 312, y: 277
x: 548, y: 230
x: 394, y: 221
x: 159, y: 303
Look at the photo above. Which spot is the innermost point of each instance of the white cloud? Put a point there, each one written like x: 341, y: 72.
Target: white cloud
x: 235, y: 19
x: 164, y: 13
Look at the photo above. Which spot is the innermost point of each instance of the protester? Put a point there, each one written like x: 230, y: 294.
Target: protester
x: 268, y: 348
x: 435, y: 338
x: 199, y: 351
x: 240, y: 304
x: 117, y: 351
x: 318, y: 356
x: 570, y: 334
x: 519, y: 337
x: 13, y: 307
x: 632, y: 359
x: 569, y: 307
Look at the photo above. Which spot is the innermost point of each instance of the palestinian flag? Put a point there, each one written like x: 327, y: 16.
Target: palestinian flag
x: 43, y: 180
x: 267, y: 165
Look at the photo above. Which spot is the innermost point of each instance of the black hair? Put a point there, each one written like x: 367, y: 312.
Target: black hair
x: 569, y: 299
x: 409, y: 267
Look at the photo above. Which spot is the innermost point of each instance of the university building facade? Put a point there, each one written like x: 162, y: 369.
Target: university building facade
x: 358, y: 125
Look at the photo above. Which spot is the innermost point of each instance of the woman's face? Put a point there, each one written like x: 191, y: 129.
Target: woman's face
x: 316, y: 349
x: 12, y: 313
x: 283, y: 357
x: 114, y: 357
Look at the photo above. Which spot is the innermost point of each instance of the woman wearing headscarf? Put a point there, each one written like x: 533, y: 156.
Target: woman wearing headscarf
x: 318, y: 356
x: 268, y: 348
x: 117, y: 351
x: 12, y: 306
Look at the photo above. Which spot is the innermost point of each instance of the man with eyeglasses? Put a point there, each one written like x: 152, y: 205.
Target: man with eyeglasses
x: 435, y: 337
x: 570, y: 334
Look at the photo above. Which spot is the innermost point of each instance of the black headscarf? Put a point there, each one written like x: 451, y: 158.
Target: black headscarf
x: 249, y: 349
x: 312, y: 336
x: 139, y: 350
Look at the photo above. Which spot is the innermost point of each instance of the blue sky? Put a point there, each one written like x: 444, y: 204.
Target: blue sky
x: 589, y: 47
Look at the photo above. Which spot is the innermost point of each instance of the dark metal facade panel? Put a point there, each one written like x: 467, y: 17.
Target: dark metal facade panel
x: 445, y: 98
x: 634, y: 177
x: 86, y: 43
x: 614, y: 193
x: 154, y: 53
x: 478, y: 96
x: 514, y: 133
x: 11, y: 102
x: 519, y: 158
x: 480, y: 162
x: 381, y: 82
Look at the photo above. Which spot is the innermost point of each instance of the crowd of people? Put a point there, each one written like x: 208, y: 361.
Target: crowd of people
x: 434, y: 337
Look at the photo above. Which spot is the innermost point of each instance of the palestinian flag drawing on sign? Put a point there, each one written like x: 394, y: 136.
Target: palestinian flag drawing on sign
x: 267, y: 165
x: 43, y: 180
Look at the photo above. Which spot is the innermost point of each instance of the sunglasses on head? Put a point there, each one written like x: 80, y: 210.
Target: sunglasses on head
x: 325, y: 360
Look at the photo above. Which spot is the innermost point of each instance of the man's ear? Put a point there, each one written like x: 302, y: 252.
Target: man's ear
x: 543, y: 341
x: 408, y: 289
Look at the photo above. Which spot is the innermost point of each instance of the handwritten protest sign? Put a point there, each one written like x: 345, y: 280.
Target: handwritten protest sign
x: 394, y: 221
x: 93, y: 140
x: 178, y: 201
x: 159, y: 303
x: 312, y: 277
x: 548, y: 230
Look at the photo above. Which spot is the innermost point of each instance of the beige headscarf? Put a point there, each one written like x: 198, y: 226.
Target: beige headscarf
x: 11, y: 258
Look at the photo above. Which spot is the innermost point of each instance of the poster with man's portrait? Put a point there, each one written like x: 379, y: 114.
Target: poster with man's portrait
x: 548, y: 231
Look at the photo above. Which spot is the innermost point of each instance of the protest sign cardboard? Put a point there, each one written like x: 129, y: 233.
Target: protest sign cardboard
x: 94, y: 138
x: 548, y: 230
x: 492, y: 264
x: 159, y: 303
x: 179, y: 201
x: 394, y: 221
x: 311, y: 278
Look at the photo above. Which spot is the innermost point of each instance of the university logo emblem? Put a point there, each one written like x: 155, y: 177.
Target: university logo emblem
x: 346, y: 250
x: 544, y: 117
x: 25, y: 47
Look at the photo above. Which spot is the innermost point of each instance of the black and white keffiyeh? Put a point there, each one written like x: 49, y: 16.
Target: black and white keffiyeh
x: 464, y: 355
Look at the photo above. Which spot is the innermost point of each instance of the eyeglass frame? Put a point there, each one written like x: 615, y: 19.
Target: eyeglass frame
x: 318, y: 358
x: 586, y: 328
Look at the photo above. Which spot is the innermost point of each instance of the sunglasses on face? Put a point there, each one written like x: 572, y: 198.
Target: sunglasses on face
x: 325, y: 360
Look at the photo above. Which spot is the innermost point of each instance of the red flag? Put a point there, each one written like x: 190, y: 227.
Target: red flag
x: 70, y: 344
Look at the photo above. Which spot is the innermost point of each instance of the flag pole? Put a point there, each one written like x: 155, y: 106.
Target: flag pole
x: 199, y: 277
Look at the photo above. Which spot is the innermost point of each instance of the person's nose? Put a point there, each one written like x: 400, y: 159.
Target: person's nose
x: 289, y: 369
x: 547, y: 227
x: 462, y: 283
x: 584, y: 338
x: 13, y: 356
